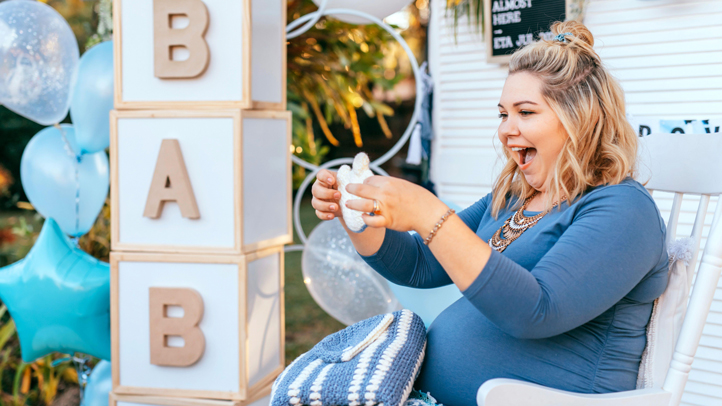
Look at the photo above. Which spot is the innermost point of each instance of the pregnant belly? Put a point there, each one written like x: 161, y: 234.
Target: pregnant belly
x: 464, y: 349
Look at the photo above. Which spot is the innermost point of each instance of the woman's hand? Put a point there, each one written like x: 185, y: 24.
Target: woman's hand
x: 326, y: 196
x: 404, y: 206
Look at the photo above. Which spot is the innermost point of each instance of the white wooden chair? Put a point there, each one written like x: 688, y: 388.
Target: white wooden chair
x: 674, y: 163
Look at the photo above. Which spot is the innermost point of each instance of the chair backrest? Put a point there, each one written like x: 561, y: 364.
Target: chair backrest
x: 686, y: 163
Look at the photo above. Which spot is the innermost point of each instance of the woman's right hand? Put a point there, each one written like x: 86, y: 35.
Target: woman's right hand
x: 326, y: 196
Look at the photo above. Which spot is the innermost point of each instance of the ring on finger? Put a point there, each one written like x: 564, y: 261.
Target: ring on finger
x: 377, y: 209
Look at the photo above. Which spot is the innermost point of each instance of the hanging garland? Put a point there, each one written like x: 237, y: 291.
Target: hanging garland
x: 473, y: 9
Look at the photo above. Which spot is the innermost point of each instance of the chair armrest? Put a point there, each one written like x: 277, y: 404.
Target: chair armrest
x: 511, y: 392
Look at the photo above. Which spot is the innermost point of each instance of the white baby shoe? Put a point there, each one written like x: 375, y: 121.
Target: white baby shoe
x: 346, y: 175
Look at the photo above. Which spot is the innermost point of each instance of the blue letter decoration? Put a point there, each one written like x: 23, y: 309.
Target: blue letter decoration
x: 59, y: 298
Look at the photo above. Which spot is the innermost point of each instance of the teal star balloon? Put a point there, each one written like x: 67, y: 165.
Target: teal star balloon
x: 59, y: 298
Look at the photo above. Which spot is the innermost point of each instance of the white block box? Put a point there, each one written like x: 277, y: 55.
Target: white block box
x: 263, y: 398
x: 242, y: 323
x: 238, y: 164
x: 245, y: 65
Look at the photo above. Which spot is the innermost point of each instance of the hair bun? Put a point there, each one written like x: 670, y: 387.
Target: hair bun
x: 579, y: 30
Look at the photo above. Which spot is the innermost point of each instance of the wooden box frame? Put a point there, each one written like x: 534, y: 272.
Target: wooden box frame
x: 263, y: 105
x: 237, y: 116
x: 288, y: 237
x: 245, y: 103
x: 254, y: 392
x: 166, y: 401
x: 501, y: 59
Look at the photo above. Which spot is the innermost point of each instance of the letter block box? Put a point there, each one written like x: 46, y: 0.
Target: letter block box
x: 211, y: 54
x: 263, y: 398
x: 197, y: 326
x: 198, y: 181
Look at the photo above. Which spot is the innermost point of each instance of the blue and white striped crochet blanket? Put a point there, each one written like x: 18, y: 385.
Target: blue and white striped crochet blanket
x: 374, y: 361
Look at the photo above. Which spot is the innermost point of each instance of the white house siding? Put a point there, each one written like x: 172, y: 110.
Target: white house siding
x: 667, y: 54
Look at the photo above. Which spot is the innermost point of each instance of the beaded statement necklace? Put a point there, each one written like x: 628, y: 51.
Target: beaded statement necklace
x: 515, y: 225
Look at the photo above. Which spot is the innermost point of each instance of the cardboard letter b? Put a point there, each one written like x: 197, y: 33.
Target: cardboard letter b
x: 190, y: 37
x: 162, y: 326
x: 171, y: 183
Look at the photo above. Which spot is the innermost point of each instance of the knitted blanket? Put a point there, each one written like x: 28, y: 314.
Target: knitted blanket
x: 374, y: 361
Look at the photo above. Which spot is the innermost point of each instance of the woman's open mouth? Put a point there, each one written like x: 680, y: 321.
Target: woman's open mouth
x: 526, y: 156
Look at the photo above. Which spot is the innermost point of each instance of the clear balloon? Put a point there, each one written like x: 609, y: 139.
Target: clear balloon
x: 339, y: 280
x: 59, y: 298
x: 377, y: 8
x: 99, y: 385
x: 93, y: 98
x: 62, y: 184
x: 38, y: 61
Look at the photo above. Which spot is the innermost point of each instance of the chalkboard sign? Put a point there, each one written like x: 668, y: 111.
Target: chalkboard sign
x: 511, y: 24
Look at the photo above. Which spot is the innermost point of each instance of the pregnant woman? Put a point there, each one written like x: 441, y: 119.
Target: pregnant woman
x: 559, y: 265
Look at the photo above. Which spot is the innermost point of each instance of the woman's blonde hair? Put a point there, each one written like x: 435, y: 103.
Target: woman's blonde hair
x: 601, y: 147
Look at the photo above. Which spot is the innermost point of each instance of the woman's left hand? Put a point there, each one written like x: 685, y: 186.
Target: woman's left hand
x: 404, y: 206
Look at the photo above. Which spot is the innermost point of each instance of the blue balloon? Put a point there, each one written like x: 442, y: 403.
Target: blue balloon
x: 99, y: 385
x: 48, y: 170
x: 428, y: 303
x: 92, y: 98
x: 59, y: 298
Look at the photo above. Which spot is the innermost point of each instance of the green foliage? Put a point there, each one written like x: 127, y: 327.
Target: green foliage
x: 472, y: 9
x: 81, y: 16
x: 17, y: 235
x: 332, y: 71
x: 304, y: 144
x: 96, y: 242
x: 15, y: 132
x: 104, y: 32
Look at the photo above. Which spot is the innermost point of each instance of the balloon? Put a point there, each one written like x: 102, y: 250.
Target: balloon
x: 48, y: 170
x: 377, y: 8
x: 428, y: 303
x: 93, y: 99
x: 38, y: 61
x: 339, y: 280
x: 59, y: 298
x: 98, y: 386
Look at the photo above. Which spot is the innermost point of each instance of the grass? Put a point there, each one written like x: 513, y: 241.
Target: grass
x: 306, y: 322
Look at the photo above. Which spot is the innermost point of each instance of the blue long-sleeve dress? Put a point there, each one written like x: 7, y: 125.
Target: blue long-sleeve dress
x: 566, y: 305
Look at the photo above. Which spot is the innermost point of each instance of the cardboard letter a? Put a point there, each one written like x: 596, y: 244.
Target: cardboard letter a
x: 190, y: 37
x: 171, y: 183
x: 162, y: 326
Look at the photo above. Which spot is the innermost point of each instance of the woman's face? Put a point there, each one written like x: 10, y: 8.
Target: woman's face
x: 529, y: 129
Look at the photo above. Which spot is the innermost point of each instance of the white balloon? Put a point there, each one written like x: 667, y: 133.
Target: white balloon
x: 377, y: 8
x: 339, y: 280
x: 38, y: 61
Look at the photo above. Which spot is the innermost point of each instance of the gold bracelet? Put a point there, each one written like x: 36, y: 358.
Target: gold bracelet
x: 438, y: 225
